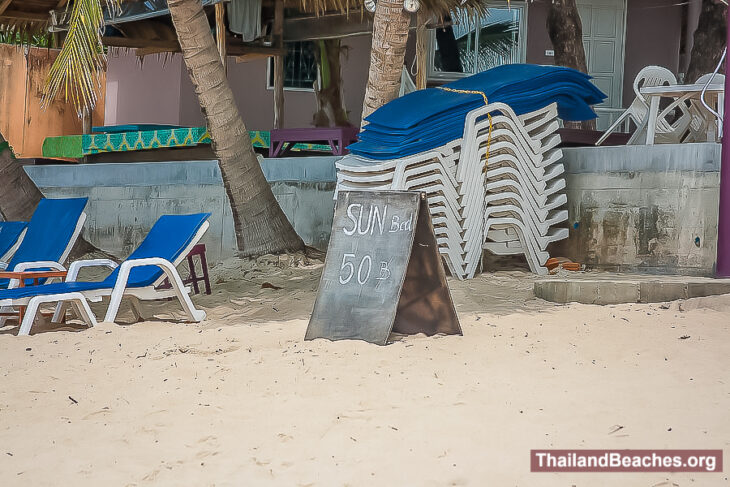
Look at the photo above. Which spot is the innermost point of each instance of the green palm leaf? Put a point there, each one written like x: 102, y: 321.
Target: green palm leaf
x: 77, y: 69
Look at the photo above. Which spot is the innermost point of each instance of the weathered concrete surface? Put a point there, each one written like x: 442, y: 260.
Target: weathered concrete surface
x: 649, y: 209
x: 609, y: 288
x: 126, y: 199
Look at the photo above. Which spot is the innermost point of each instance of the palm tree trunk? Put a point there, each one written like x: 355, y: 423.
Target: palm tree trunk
x: 329, y: 90
x: 20, y: 196
x: 566, y: 34
x: 261, y: 226
x: 709, y: 40
x: 387, y: 54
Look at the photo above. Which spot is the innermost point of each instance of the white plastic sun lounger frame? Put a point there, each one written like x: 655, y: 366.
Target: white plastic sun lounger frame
x: 522, y: 172
x: 120, y: 290
x: 41, y: 264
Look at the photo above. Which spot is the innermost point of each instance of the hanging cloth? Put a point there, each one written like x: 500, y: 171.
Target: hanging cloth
x: 244, y: 18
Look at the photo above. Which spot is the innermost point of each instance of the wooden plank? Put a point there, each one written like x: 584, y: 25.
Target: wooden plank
x: 60, y: 118
x: 131, y: 43
x: 236, y: 48
x: 252, y: 57
x: 337, y: 26
x: 220, y: 32
x: 328, y: 26
x: 13, y: 76
x: 4, y: 5
x: 279, y: 65
x: 28, y: 16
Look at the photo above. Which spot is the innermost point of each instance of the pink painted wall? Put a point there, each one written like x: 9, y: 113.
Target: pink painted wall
x: 147, y: 92
x: 653, y: 29
x: 158, y: 92
x: 653, y: 35
x: 256, y: 102
x: 162, y: 93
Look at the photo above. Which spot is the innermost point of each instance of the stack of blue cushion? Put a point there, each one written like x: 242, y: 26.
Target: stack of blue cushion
x: 430, y: 118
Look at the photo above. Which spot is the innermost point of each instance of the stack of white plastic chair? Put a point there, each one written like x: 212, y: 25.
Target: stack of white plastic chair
x: 498, y: 188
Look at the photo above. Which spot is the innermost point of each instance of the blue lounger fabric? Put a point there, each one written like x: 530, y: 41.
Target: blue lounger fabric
x: 167, y: 238
x: 9, y: 235
x: 49, y: 231
x: 430, y: 118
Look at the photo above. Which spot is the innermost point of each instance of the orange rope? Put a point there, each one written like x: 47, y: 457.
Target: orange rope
x: 486, y: 102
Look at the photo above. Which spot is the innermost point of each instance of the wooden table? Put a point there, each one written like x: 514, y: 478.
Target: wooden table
x: 680, y: 93
x: 22, y: 276
x: 282, y: 140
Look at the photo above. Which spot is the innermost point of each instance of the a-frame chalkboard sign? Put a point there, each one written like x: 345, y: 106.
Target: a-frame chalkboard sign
x: 383, y: 271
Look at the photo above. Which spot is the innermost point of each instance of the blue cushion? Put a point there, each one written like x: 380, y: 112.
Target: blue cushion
x: 167, y: 238
x: 430, y: 118
x: 9, y: 234
x: 49, y: 232
x: 46, y: 289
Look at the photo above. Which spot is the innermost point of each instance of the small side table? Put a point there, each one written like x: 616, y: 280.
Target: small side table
x: 194, y: 278
x: 22, y: 276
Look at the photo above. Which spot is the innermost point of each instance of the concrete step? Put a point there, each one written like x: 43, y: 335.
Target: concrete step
x: 605, y: 288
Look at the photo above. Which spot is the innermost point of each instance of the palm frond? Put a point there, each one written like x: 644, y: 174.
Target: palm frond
x: 77, y: 69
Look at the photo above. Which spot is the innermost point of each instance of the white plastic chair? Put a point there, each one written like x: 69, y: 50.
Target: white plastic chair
x: 703, y: 124
x: 638, y: 111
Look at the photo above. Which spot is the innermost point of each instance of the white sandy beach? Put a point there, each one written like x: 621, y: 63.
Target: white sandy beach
x: 241, y: 399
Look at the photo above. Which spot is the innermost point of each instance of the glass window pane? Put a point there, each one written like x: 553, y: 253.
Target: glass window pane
x: 499, y: 41
x: 474, y: 45
x: 300, y: 66
x: 454, y: 51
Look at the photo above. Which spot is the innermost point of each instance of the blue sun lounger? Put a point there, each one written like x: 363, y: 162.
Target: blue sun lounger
x: 50, y: 235
x: 11, y: 234
x: 168, y: 242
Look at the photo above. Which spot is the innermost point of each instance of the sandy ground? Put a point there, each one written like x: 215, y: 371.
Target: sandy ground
x: 241, y: 399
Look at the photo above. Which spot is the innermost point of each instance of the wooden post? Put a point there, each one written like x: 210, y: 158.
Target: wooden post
x: 279, y: 65
x: 220, y: 32
x: 86, y: 122
x: 421, y: 41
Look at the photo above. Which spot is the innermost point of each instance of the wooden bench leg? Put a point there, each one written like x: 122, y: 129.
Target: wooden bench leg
x: 335, y: 147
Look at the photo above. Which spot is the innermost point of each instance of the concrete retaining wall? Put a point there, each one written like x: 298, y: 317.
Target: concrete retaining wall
x: 126, y: 199
x: 646, y: 209
x: 649, y: 209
